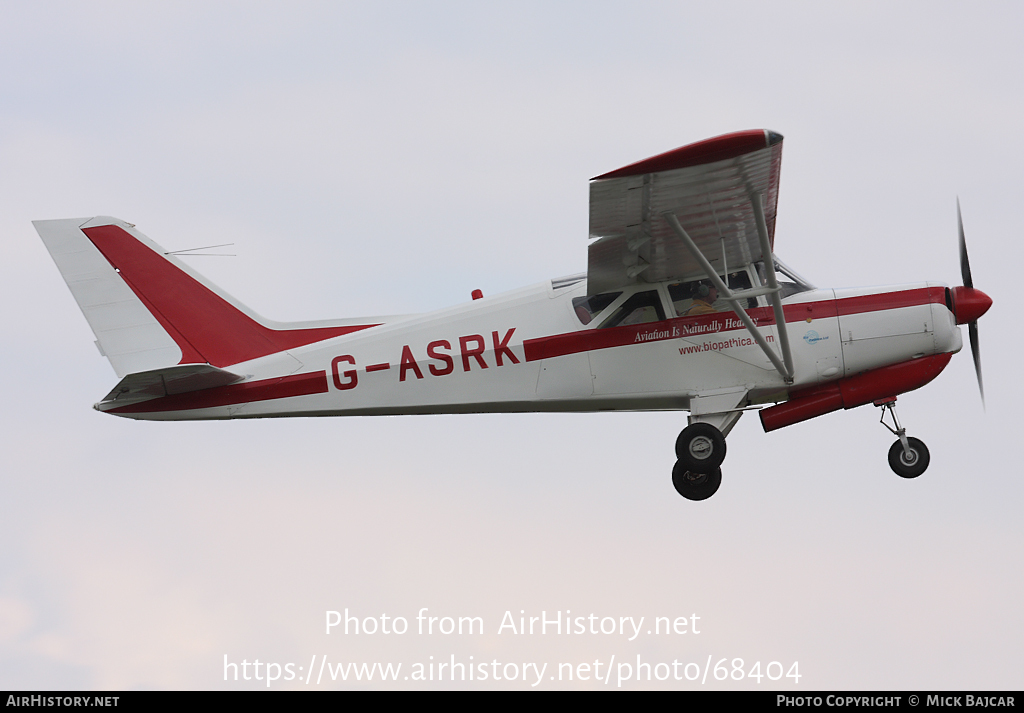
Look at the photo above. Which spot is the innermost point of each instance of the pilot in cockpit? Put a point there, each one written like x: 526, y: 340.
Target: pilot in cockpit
x: 704, y: 296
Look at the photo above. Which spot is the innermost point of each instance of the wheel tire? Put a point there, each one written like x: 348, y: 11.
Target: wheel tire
x: 701, y: 447
x: 695, y: 486
x: 912, y: 468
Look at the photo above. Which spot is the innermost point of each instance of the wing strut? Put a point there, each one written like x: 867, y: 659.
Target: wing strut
x: 785, y: 364
x: 776, y: 294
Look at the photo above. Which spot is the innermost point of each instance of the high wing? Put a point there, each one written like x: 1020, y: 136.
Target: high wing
x: 709, y: 186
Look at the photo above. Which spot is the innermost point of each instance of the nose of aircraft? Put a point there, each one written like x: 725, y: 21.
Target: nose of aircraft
x: 969, y: 304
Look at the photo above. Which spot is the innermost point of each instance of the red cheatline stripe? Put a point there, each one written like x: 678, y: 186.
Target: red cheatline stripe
x: 264, y: 390
x: 889, y: 300
x: 593, y: 339
x: 205, y: 326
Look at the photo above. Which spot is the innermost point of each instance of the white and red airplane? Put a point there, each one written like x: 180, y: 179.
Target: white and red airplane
x: 682, y: 307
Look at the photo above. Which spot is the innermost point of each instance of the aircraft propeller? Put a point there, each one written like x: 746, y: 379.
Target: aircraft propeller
x: 968, y: 303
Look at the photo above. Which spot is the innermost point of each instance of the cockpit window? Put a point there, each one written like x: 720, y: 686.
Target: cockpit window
x: 587, y: 307
x: 790, y: 286
x: 698, y: 297
x: 640, y: 308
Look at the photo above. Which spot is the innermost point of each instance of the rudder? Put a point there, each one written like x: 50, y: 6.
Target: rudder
x: 150, y: 311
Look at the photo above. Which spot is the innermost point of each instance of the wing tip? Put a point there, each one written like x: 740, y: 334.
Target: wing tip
x: 717, y: 148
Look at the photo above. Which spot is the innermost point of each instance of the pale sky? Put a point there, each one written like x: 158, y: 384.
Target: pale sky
x: 375, y: 158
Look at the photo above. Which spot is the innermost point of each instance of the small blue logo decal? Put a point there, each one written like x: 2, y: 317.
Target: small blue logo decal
x: 813, y: 337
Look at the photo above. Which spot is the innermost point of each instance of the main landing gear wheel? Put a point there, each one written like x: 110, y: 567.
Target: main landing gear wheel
x: 701, y: 448
x: 695, y: 486
x: 909, y: 465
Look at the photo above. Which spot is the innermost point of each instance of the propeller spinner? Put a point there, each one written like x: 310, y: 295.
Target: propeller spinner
x: 968, y: 303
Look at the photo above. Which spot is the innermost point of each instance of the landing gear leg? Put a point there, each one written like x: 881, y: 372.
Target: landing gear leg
x: 908, y: 457
x: 700, y: 449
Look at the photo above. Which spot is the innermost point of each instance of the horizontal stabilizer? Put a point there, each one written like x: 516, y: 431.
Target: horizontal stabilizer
x: 166, y: 382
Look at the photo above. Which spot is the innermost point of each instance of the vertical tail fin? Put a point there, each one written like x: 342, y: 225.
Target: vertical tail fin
x: 149, y: 311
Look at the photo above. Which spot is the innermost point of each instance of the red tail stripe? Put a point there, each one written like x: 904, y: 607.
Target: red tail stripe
x: 205, y: 326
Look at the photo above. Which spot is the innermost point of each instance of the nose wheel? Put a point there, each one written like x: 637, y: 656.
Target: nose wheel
x: 908, y: 456
x: 909, y: 461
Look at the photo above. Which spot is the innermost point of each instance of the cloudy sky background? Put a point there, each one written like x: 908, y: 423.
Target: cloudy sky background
x: 375, y: 158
